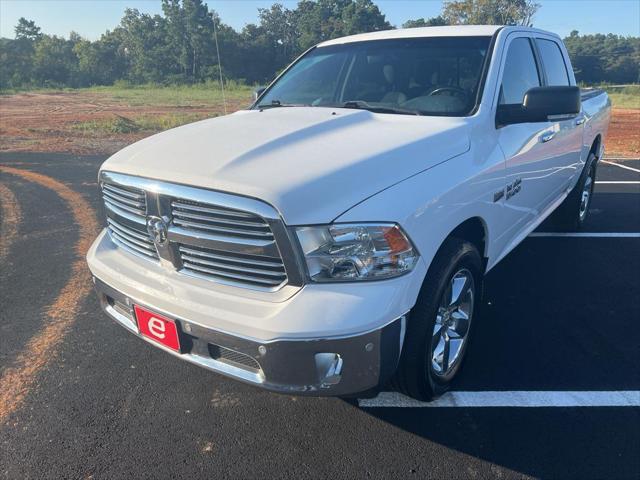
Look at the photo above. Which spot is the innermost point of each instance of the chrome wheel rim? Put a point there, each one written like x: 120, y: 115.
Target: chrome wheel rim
x: 453, y: 321
x: 586, y: 197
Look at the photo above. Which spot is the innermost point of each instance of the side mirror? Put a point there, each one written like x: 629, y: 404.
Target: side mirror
x: 539, y: 104
x: 257, y: 92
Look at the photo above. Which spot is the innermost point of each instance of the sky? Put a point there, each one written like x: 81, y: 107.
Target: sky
x: 90, y: 18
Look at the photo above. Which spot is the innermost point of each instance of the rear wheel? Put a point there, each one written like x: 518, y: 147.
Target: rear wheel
x: 587, y: 193
x: 573, y: 212
x: 439, y: 325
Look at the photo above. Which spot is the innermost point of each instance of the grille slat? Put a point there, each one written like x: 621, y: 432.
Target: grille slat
x: 130, y: 245
x: 136, y: 240
x: 196, y: 207
x: 211, y: 254
x: 120, y: 191
x: 131, y: 232
x: 122, y: 200
x: 266, y: 271
x: 231, y: 276
x: 224, y: 221
x: 219, y: 220
x: 110, y: 203
x: 224, y: 266
x: 129, y: 199
x: 236, y: 232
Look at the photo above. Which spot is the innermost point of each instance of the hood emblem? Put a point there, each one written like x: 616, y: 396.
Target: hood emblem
x: 157, y: 229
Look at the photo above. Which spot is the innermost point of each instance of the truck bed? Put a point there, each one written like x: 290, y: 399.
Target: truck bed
x: 588, y: 93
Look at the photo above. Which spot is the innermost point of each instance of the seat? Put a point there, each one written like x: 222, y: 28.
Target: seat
x: 392, y: 96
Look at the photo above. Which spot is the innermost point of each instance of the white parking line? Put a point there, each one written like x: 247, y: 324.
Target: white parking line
x: 626, y: 167
x: 617, y: 182
x: 518, y: 399
x: 587, y: 234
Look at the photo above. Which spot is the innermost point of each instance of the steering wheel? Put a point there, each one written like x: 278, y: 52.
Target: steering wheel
x: 456, y: 91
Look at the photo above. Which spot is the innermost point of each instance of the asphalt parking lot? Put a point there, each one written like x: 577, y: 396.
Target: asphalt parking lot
x: 551, y: 385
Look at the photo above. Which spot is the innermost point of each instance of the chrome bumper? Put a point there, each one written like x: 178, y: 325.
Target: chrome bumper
x: 317, y: 367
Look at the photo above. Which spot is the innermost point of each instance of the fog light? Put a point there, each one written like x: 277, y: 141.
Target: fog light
x: 329, y: 368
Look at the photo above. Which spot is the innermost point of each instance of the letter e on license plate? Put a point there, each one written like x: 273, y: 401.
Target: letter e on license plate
x: 158, y: 328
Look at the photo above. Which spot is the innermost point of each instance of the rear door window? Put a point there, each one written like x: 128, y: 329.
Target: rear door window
x: 553, y: 62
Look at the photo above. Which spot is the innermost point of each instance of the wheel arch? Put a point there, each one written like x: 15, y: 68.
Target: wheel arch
x: 595, y: 146
x: 475, y: 231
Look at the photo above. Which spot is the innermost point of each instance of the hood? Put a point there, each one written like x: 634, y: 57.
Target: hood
x: 311, y: 163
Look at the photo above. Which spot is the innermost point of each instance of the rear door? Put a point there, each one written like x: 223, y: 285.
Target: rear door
x: 528, y: 147
x: 566, y: 144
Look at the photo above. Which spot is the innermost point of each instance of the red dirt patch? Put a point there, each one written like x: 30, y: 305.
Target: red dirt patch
x: 47, y: 122
x: 623, y: 139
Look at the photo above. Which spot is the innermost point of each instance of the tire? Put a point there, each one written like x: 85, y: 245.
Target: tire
x: 572, y: 214
x: 429, y: 322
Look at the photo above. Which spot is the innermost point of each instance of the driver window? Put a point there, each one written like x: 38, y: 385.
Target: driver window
x: 520, y: 72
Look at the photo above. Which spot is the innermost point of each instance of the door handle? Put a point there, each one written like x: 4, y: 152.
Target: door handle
x: 547, y: 136
x: 580, y: 121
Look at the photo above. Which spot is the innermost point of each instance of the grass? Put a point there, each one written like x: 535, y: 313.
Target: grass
x: 179, y: 95
x: 203, y: 94
x: 624, y: 97
x: 209, y: 94
x: 140, y: 123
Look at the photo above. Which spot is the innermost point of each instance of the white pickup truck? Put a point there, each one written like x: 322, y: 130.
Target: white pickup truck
x: 332, y: 238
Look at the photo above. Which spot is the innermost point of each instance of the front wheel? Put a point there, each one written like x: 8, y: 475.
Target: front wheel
x: 439, y: 325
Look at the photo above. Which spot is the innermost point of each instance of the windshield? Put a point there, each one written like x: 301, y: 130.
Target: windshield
x: 420, y: 76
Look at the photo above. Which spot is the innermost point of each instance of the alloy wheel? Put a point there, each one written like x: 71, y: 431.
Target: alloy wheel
x: 586, y: 196
x: 452, y: 324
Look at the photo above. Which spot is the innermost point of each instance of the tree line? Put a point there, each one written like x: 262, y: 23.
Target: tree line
x: 189, y: 43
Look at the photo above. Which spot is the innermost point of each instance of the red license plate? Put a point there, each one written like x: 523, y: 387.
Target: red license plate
x: 158, y: 328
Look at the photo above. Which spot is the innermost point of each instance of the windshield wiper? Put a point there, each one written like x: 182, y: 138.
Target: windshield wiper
x: 362, y: 105
x: 278, y: 103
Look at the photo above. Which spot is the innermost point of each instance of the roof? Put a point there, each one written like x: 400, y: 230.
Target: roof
x: 449, y: 31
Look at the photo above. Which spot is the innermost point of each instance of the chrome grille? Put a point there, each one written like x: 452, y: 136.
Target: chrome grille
x: 218, y: 220
x: 251, y: 269
x: 128, y: 199
x: 219, y: 237
x: 133, y: 239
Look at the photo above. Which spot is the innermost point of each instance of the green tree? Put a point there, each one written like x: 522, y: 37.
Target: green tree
x: 16, y: 62
x: 179, y: 45
x: 146, y: 45
x: 199, y: 29
x: 55, y: 62
x: 229, y: 45
x: 16, y: 56
x: 278, y: 26
x: 490, y: 12
x: 102, y: 62
x: 604, y: 58
x: 27, y: 29
x: 438, y: 21
x: 322, y: 20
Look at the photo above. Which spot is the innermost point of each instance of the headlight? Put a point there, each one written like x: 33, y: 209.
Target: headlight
x: 349, y: 252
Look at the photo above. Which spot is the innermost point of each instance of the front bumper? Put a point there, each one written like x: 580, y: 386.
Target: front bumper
x: 315, y: 366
